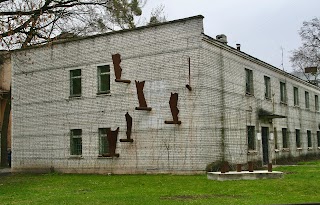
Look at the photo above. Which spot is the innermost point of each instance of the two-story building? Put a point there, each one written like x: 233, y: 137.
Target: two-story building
x: 201, y: 101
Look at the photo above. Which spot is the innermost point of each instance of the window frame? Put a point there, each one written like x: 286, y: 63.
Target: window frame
x: 285, y: 141
x: 309, y: 138
x: 100, y: 74
x: 295, y: 96
x: 283, y: 92
x: 267, y: 84
x: 73, y: 78
x: 318, y: 138
x: 251, y: 138
x: 249, y: 82
x: 275, y: 134
x: 73, y: 136
x: 103, y: 143
x: 316, y: 102
x: 298, y: 138
x: 307, y: 99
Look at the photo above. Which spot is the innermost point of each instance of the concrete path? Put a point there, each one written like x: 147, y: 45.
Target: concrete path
x: 5, y: 171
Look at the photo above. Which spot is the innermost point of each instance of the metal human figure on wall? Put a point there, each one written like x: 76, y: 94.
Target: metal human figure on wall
x: 112, y: 137
x: 141, y: 98
x: 129, y: 128
x: 174, y: 109
x: 116, y: 59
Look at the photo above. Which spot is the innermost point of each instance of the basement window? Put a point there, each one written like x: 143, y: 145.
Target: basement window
x: 251, y: 137
x: 298, y: 142
x: 103, y: 79
x: 75, y: 83
x: 284, y: 138
x: 249, y: 82
x: 309, y: 138
x: 76, y: 142
x: 103, y: 141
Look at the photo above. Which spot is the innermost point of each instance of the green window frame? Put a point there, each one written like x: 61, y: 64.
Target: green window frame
x: 298, y: 141
x: 285, y: 138
x: 249, y: 81
x: 75, y: 83
x: 76, y: 142
x: 296, y: 96
x: 251, y: 137
x: 267, y: 84
x: 103, y: 79
x: 309, y: 138
x: 103, y: 141
x: 307, y: 99
x: 283, y: 92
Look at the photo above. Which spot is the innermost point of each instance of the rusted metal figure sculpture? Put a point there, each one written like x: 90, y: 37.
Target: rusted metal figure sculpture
x: 112, y: 137
x: 141, y: 98
x: 129, y: 129
x: 174, y: 109
x: 116, y: 59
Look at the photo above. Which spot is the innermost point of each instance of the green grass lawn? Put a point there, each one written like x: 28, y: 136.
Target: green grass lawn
x: 301, y: 184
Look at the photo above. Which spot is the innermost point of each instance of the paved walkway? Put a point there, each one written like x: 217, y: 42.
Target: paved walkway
x: 5, y: 171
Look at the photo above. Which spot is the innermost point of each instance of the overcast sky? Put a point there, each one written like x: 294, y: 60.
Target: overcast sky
x: 262, y: 27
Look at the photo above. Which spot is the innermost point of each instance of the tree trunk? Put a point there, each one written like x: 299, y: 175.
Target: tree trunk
x: 4, y: 131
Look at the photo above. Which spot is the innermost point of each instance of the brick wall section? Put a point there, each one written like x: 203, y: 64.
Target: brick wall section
x: 213, y: 113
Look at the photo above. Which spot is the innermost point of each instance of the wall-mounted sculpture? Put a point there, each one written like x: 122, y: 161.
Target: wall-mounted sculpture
x: 129, y: 129
x: 116, y: 59
x: 174, y: 109
x: 112, y: 137
x: 189, y: 85
x: 141, y: 98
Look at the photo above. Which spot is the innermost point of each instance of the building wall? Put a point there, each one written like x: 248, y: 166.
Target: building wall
x: 44, y: 114
x: 214, y: 114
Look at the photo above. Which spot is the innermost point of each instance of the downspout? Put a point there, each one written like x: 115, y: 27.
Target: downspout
x: 4, y: 131
x: 223, y: 109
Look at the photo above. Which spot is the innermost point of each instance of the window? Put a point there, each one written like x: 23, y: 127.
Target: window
x: 284, y: 138
x: 318, y: 138
x: 295, y: 96
x: 309, y: 138
x: 249, y: 82
x: 76, y: 142
x: 275, y: 138
x: 307, y: 99
x: 103, y: 79
x: 103, y: 141
x: 267, y: 84
x: 283, y: 92
x: 298, y: 143
x: 75, y: 83
x: 316, y: 102
x: 251, y: 138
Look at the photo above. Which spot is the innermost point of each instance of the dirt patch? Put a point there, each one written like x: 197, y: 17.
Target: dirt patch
x: 192, y: 197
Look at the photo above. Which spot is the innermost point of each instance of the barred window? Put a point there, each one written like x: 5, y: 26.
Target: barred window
x: 76, y: 142
x: 103, y: 79
x: 75, y: 83
x: 251, y: 137
x: 284, y: 138
x: 103, y: 141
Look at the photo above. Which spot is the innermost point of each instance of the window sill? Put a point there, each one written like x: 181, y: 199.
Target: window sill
x: 284, y: 103
x: 296, y: 106
x: 318, y: 147
x: 268, y: 99
x: 75, y: 97
x: 276, y: 150
x: 76, y: 157
x: 101, y: 157
x: 285, y: 149
x: 252, y: 152
x: 249, y: 95
x: 299, y: 148
x: 103, y: 94
x: 310, y: 148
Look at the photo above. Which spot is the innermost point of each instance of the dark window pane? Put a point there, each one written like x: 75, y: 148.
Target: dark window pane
x: 309, y: 138
x: 76, y: 86
x: 284, y: 138
x: 104, y: 83
x: 251, y: 138
x: 75, y: 73
x: 298, y: 138
x: 104, y: 69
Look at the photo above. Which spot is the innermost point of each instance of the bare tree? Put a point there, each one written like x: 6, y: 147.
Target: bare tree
x: 308, y: 54
x: 28, y: 22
